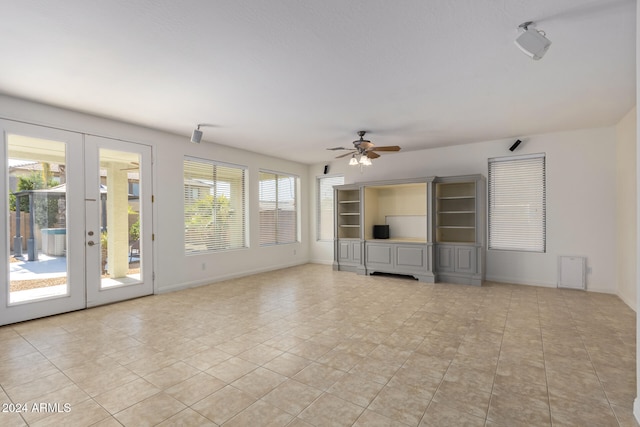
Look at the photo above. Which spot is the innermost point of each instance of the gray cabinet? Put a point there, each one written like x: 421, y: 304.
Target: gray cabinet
x: 349, y: 254
x: 460, y: 229
x: 459, y: 264
x: 400, y: 258
x: 437, y: 228
x: 348, y: 242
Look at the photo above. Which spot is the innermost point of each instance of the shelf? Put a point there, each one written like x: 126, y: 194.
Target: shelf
x: 456, y: 212
x: 349, y: 201
x: 350, y: 226
x: 399, y: 240
x: 350, y: 213
x: 456, y: 197
x: 456, y: 226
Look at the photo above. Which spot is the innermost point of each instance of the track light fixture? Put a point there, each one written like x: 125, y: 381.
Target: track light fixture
x: 196, y: 136
x: 531, y: 41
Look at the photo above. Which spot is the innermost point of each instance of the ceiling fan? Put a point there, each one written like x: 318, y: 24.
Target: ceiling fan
x: 364, y: 148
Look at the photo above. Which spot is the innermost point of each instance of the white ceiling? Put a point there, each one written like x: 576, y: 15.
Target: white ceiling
x: 290, y: 78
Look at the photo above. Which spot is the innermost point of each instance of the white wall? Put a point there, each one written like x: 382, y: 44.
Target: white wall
x: 581, y: 198
x: 626, y: 190
x: 581, y: 201
x: 173, y: 268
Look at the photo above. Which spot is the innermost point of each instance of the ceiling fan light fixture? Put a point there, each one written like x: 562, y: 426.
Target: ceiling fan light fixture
x: 363, y: 151
x: 365, y: 161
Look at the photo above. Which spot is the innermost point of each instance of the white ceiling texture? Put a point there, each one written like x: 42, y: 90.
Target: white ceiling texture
x: 291, y: 78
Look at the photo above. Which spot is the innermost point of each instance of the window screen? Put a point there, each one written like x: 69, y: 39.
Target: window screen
x: 278, y: 209
x: 517, y: 203
x: 214, y: 206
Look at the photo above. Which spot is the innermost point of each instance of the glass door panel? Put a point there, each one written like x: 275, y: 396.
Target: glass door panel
x: 43, y: 231
x: 37, y: 218
x: 118, y: 212
x: 119, y: 218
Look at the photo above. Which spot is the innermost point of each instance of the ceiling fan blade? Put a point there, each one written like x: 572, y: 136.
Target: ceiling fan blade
x: 346, y: 154
x: 387, y: 148
x: 372, y: 155
x: 366, y: 145
x: 339, y: 148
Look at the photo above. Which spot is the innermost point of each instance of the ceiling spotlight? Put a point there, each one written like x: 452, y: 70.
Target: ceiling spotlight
x: 532, y: 42
x: 196, y: 136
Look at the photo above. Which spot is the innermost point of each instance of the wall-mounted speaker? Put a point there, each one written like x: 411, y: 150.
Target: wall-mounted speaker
x: 532, y: 42
x: 515, y: 145
x: 326, y: 169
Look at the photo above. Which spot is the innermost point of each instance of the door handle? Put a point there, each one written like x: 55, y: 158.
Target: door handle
x: 91, y: 243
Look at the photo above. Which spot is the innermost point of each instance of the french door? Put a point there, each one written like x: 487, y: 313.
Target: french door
x: 78, y: 227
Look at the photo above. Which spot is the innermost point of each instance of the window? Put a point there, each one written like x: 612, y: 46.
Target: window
x: 214, y: 206
x: 324, y: 212
x: 278, y: 209
x: 517, y: 211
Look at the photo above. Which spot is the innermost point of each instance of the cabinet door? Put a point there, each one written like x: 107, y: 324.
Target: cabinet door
x: 379, y: 254
x: 356, y: 252
x: 410, y: 257
x: 344, y: 250
x: 465, y: 259
x: 445, y: 258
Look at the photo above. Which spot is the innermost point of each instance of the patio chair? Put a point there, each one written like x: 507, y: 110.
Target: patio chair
x: 134, y: 250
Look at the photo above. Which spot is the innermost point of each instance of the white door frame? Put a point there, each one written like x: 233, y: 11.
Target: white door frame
x: 96, y: 294
x: 75, y: 298
x: 83, y: 271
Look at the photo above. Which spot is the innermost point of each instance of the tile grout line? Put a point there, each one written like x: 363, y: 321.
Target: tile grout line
x: 596, y: 371
x: 544, y: 359
x: 495, y: 373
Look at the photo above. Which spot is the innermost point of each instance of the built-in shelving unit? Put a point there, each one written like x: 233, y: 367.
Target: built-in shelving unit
x: 348, y: 213
x: 456, y: 212
x: 460, y: 229
x: 404, y: 207
x: 436, y: 228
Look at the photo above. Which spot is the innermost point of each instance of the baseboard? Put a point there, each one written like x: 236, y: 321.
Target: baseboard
x: 321, y: 261
x: 215, y: 279
x: 629, y: 302
x: 517, y: 281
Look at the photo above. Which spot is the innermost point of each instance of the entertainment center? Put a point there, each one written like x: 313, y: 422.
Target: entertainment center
x: 432, y: 228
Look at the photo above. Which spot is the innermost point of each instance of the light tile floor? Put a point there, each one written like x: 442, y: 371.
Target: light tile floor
x: 307, y: 346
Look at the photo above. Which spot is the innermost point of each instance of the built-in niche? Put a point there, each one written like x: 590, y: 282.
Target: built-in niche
x: 403, y: 207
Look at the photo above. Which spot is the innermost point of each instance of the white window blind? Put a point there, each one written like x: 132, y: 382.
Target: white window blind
x: 214, y: 206
x: 278, y: 209
x: 324, y: 214
x: 517, y: 203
